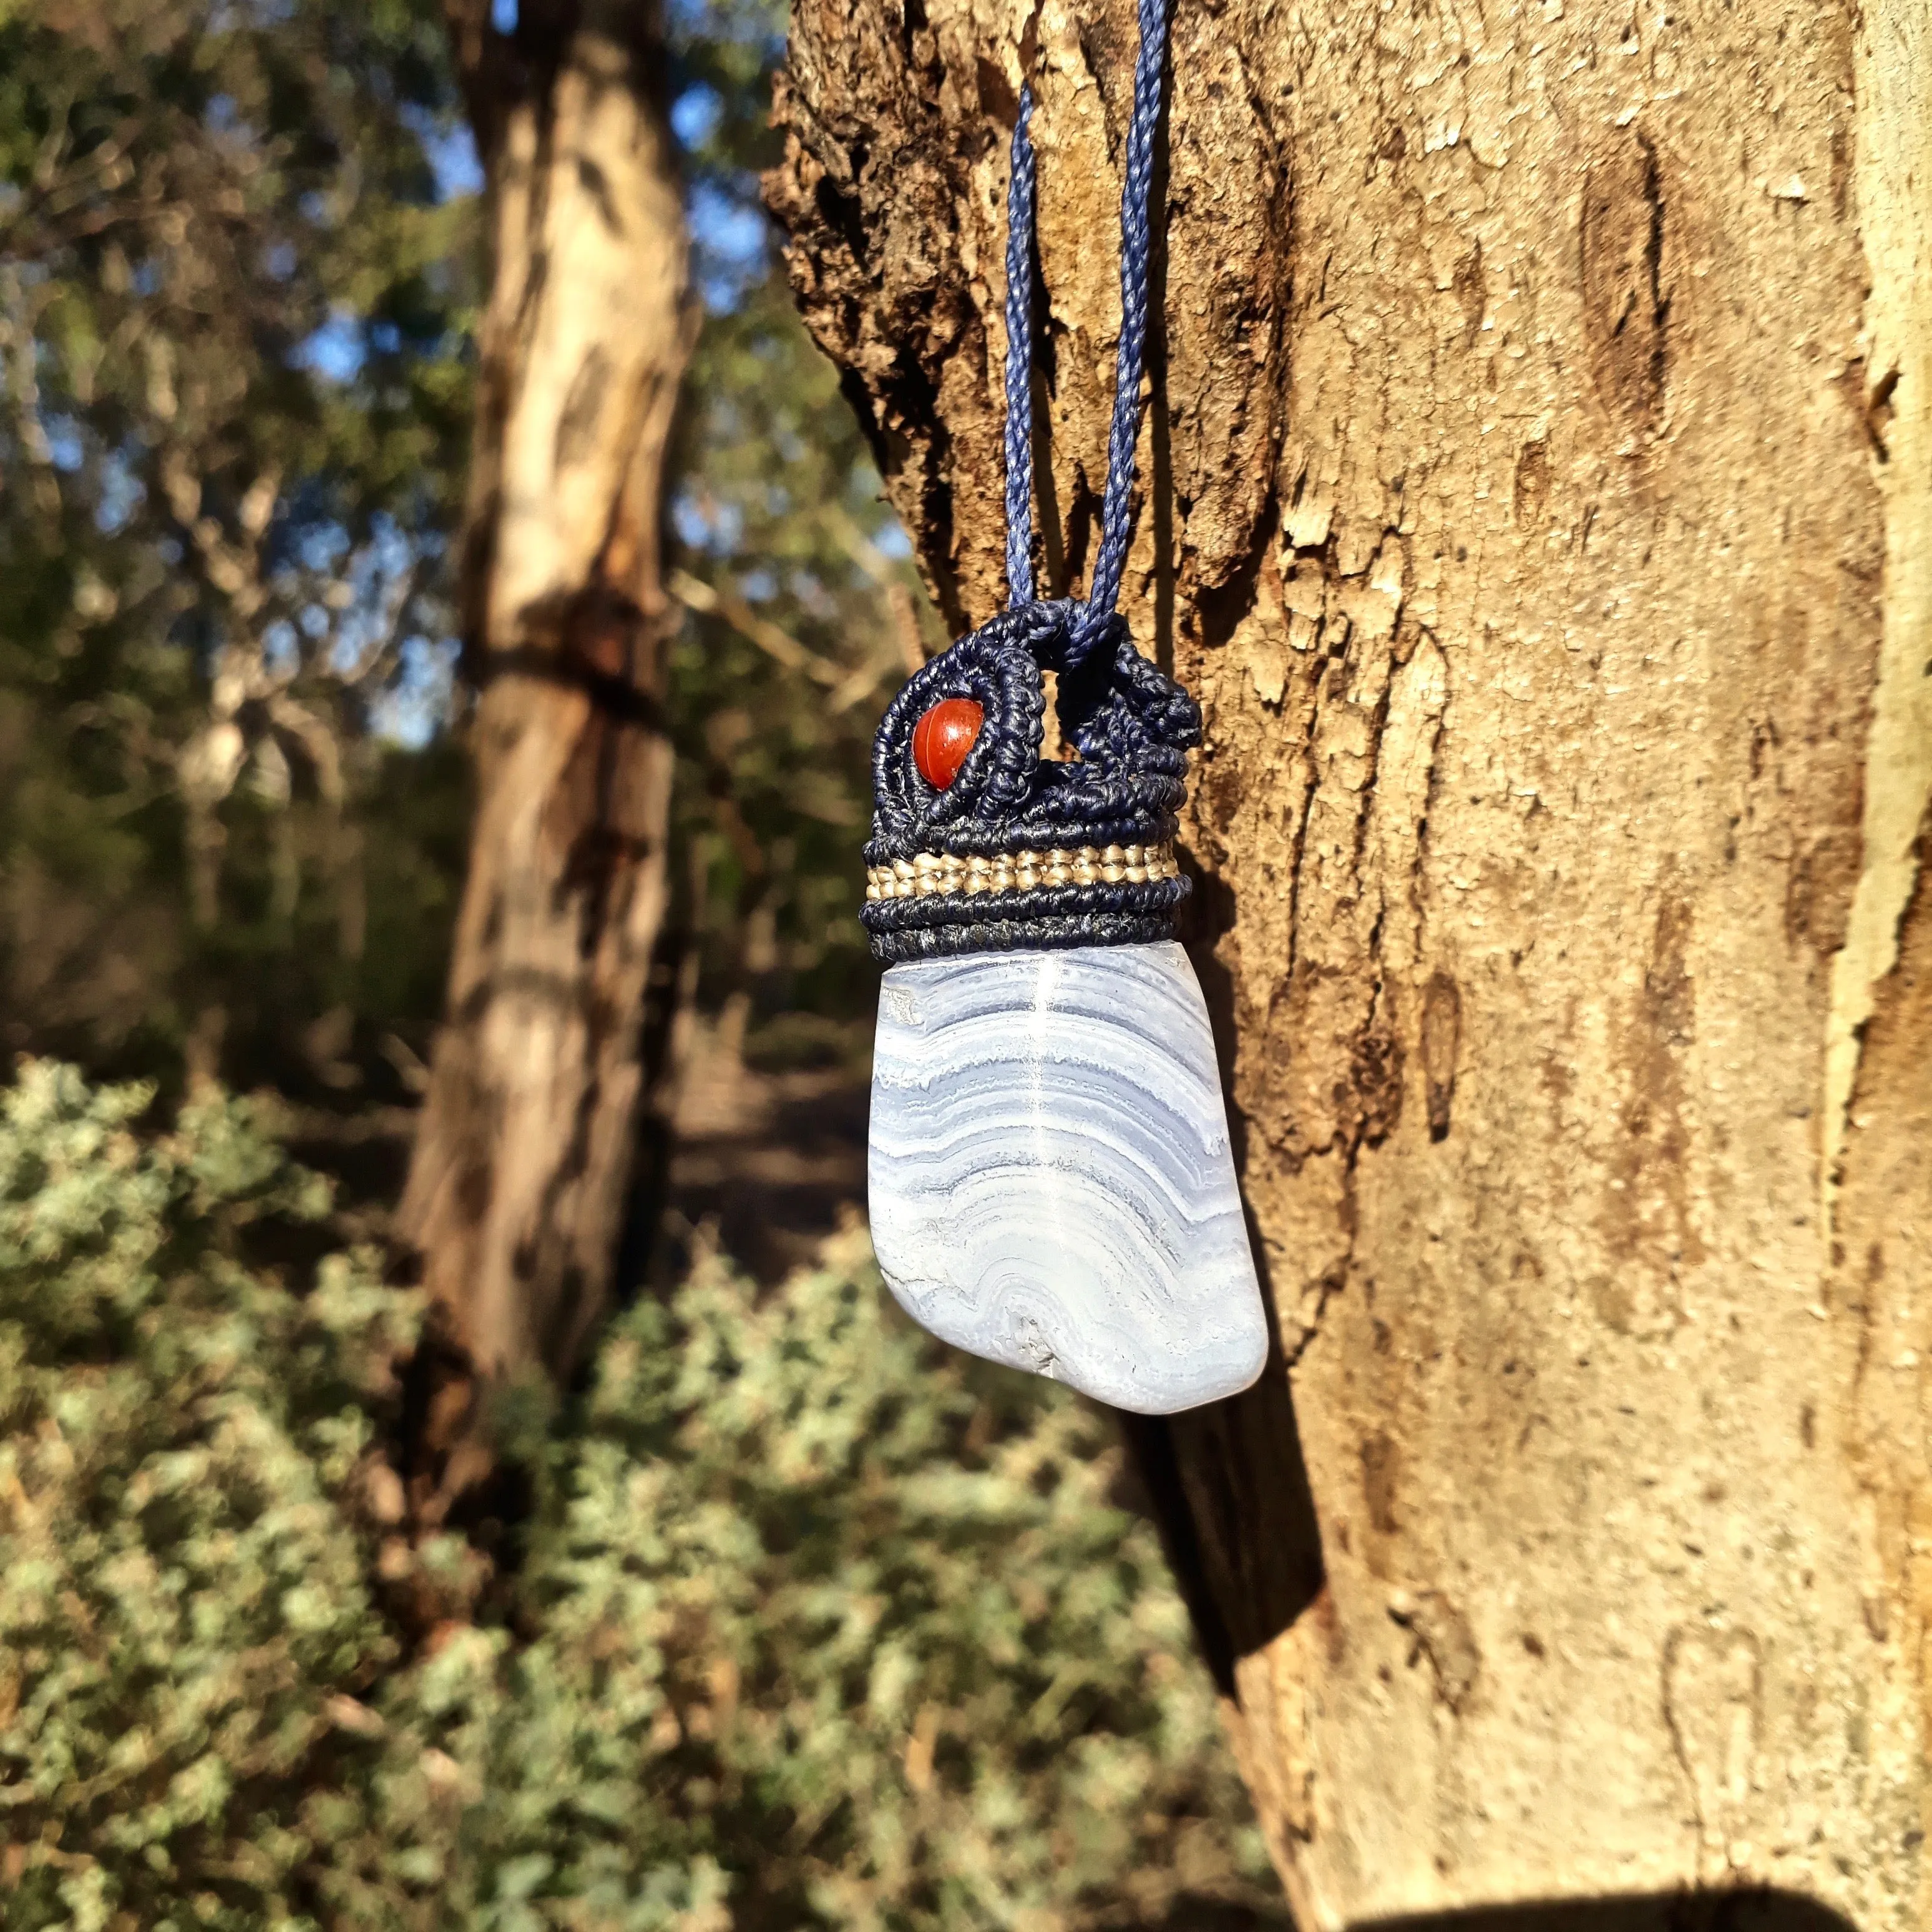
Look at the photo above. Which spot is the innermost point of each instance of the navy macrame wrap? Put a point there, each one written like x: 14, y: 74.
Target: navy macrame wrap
x: 1106, y: 812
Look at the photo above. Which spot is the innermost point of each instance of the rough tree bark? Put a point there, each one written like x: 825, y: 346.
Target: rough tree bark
x: 1540, y: 462
x: 516, y: 1191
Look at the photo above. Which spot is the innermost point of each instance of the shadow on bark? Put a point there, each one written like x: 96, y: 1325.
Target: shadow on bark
x: 1757, y: 1911
x: 1230, y: 1492
x: 1227, y: 1483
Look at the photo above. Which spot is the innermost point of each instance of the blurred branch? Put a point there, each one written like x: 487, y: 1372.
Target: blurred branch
x: 381, y: 649
x: 865, y: 680
x: 488, y: 71
x: 905, y: 627
x: 781, y: 645
x: 875, y: 562
x: 859, y: 546
x: 317, y: 740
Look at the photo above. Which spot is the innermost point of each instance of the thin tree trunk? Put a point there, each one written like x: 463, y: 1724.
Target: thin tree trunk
x: 517, y: 1192
x: 1540, y: 466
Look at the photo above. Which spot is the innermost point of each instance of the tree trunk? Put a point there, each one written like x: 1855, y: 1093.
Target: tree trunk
x: 1539, y: 500
x: 517, y: 1192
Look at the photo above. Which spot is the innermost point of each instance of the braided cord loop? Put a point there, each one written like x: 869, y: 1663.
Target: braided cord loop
x: 1130, y: 726
x: 1136, y: 250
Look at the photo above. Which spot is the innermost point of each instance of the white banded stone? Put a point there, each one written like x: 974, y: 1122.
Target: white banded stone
x: 1051, y: 1180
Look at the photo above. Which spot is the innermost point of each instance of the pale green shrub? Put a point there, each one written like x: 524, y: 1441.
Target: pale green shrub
x: 185, y: 1632
x: 818, y: 1625
x: 834, y: 1625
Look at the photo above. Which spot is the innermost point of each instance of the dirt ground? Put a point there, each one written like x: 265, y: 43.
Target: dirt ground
x: 774, y: 1159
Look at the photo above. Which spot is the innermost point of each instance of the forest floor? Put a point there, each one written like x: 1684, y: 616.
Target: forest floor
x: 776, y: 1160
x: 773, y: 1159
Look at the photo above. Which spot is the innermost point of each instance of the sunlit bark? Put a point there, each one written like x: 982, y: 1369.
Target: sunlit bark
x: 1540, y: 502
x: 517, y: 1194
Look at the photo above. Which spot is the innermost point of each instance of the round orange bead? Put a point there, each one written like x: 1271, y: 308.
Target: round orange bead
x: 942, y: 738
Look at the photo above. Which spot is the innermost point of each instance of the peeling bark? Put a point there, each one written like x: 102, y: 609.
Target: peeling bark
x: 1539, y: 484
x: 523, y: 1157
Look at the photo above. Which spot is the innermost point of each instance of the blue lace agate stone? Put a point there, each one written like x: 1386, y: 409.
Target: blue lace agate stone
x: 1051, y: 1181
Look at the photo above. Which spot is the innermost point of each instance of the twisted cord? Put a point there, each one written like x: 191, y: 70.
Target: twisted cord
x: 1130, y: 725
x: 1092, y: 620
x: 1020, y: 184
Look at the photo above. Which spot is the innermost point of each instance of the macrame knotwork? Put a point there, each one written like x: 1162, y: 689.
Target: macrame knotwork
x: 1016, y: 851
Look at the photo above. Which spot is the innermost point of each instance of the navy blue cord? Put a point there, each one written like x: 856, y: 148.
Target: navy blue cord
x: 1092, y: 619
x: 1130, y: 725
x: 1019, y: 360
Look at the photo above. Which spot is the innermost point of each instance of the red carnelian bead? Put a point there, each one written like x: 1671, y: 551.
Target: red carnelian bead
x: 942, y: 738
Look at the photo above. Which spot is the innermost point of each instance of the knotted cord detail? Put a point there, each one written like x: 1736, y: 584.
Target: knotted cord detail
x: 1130, y: 726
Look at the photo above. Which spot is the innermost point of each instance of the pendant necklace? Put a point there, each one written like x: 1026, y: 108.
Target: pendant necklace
x: 1051, y: 1181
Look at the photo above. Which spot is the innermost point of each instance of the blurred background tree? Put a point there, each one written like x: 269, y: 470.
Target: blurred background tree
x: 234, y: 308
x: 565, y: 979
x: 239, y: 286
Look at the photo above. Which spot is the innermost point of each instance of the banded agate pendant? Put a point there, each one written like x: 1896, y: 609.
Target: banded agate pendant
x: 1051, y: 1185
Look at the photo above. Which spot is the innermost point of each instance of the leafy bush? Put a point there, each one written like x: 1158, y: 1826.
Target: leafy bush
x: 818, y: 1625
x: 186, y: 1634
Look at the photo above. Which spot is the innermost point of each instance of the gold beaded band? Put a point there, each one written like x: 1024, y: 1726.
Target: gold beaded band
x: 934, y: 873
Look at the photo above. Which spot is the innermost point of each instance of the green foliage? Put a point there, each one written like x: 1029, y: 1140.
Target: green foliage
x: 234, y: 403
x: 842, y: 1631
x: 818, y: 1625
x: 778, y: 499
x: 239, y: 267
x: 183, y: 1617
x: 777, y: 504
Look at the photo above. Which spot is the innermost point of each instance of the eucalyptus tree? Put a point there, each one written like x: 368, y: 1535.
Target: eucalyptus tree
x: 679, y: 621
x: 1538, y: 462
